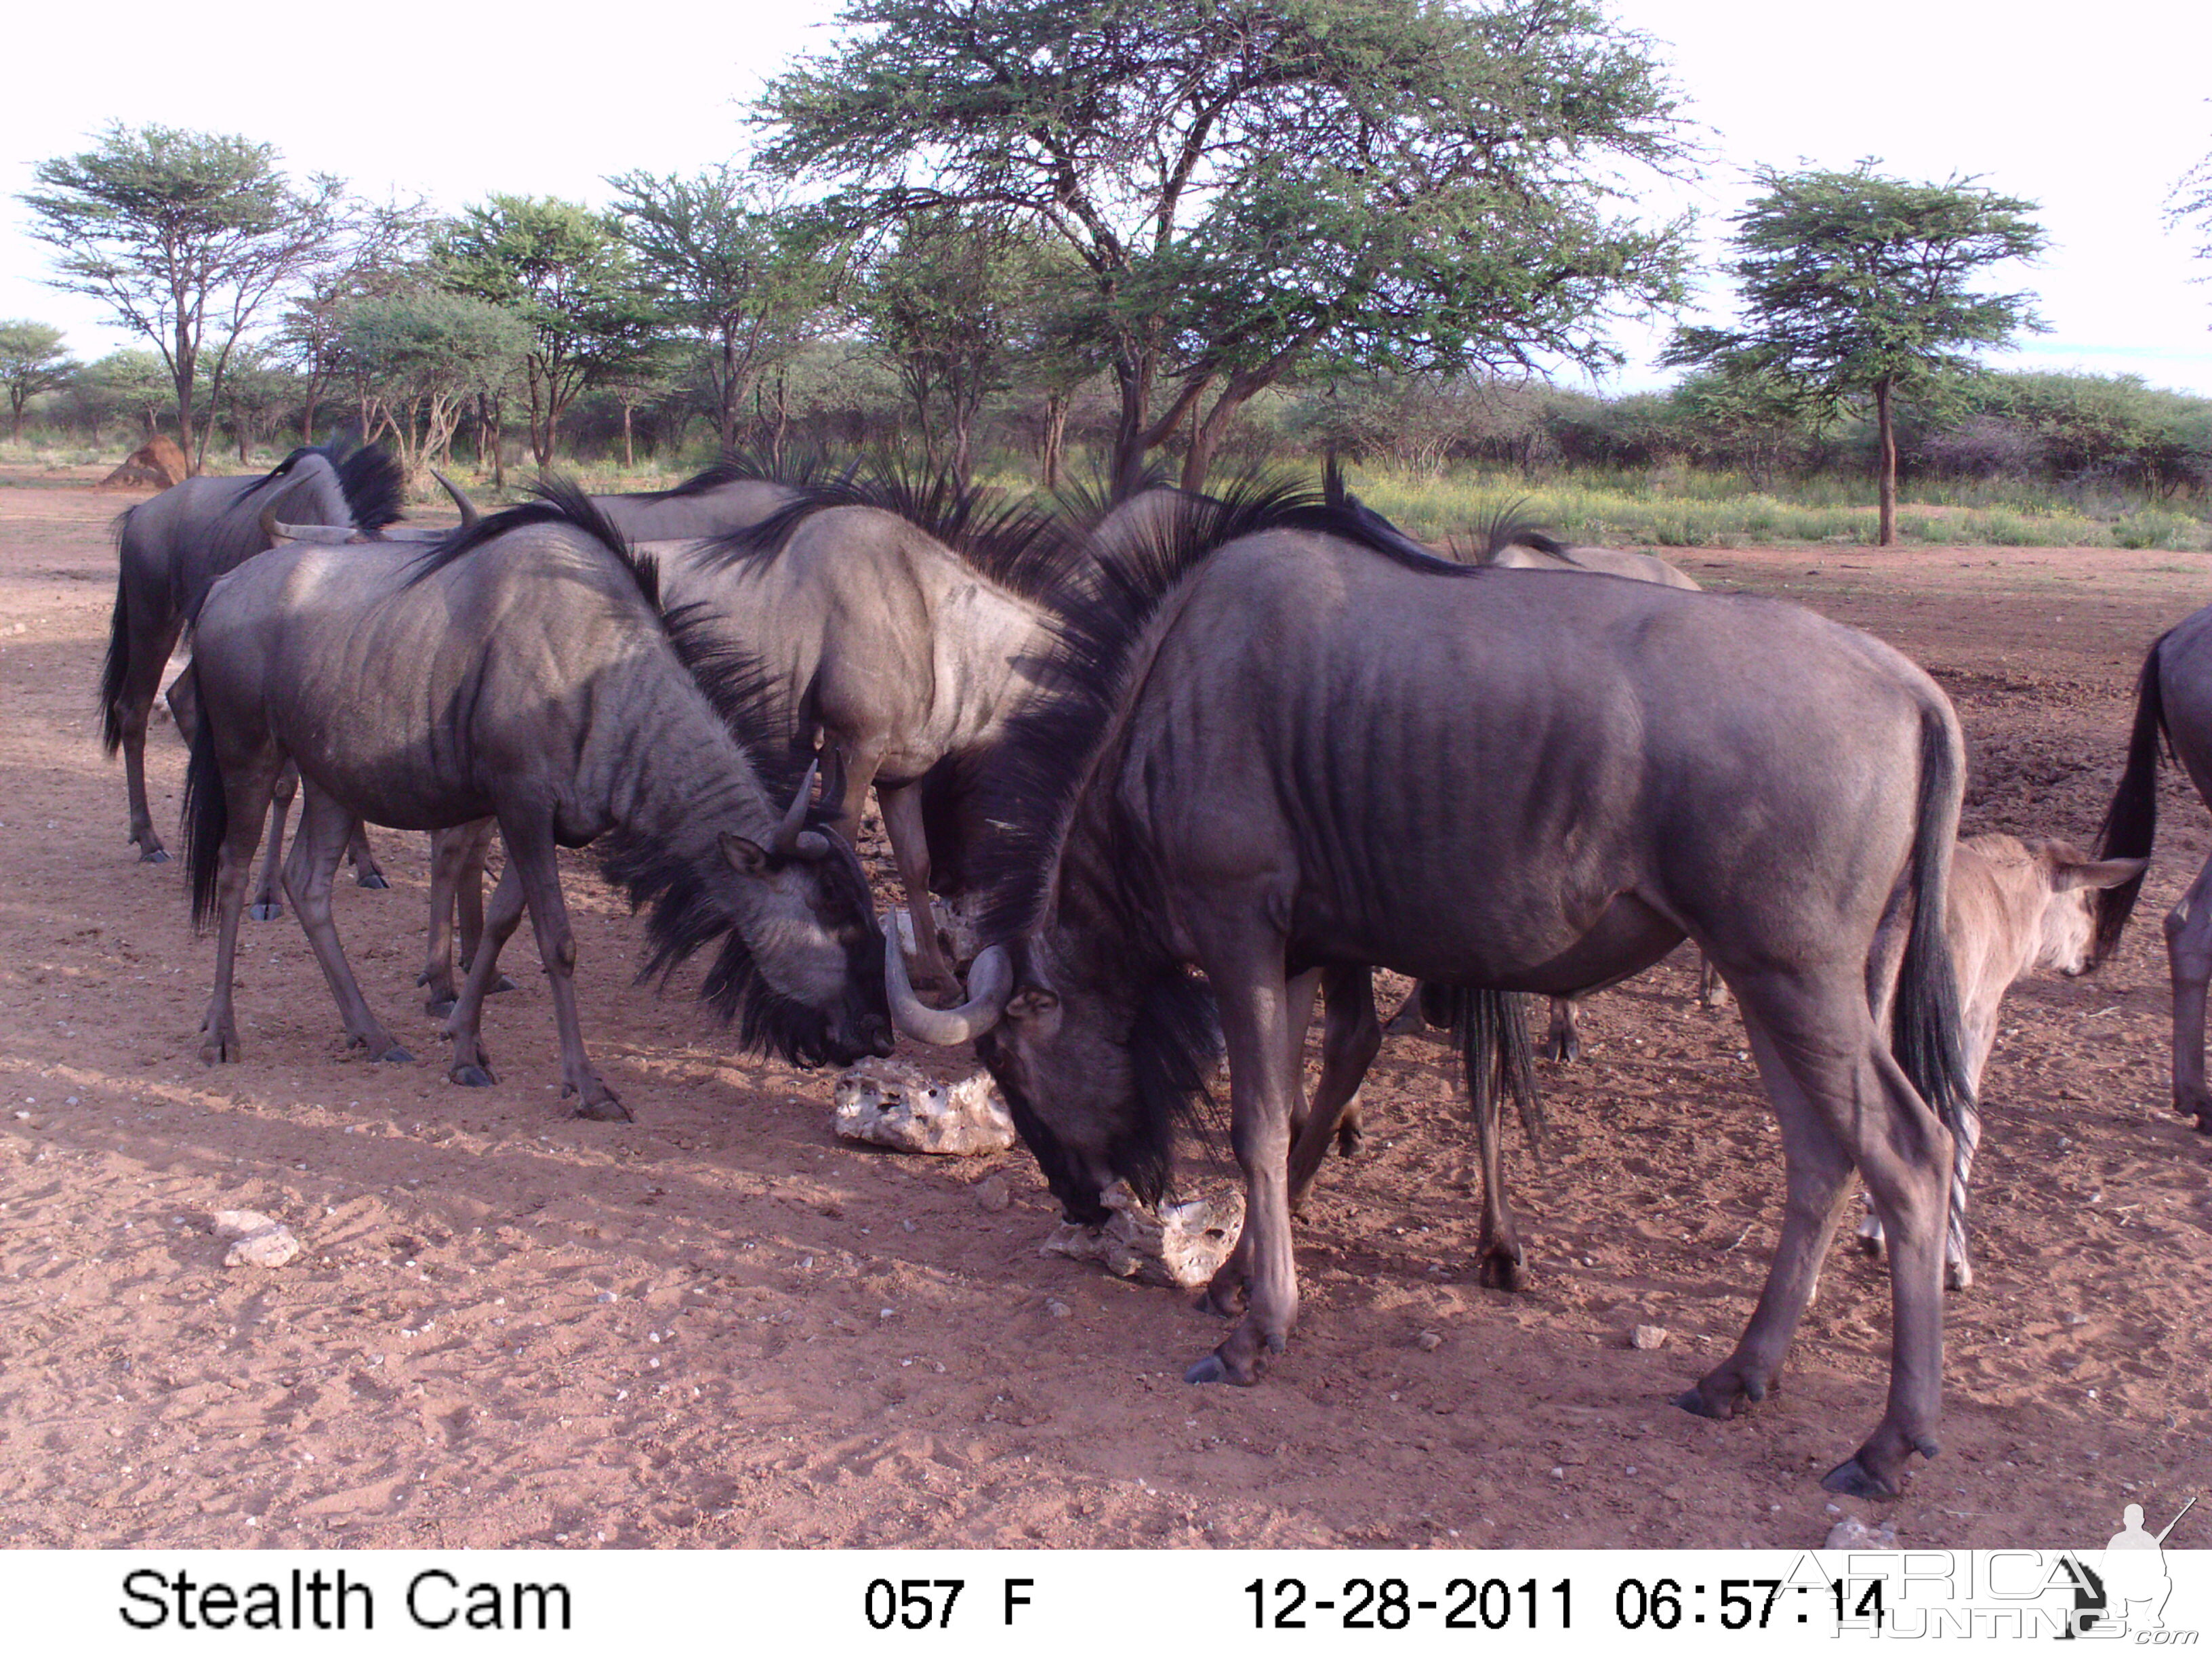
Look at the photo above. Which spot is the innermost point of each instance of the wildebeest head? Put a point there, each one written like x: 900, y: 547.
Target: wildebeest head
x: 2069, y: 921
x: 1097, y: 1064
x: 801, y: 962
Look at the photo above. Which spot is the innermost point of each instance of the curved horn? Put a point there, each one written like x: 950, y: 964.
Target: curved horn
x: 413, y: 533
x: 330, y: 535
x: 990, y: 979
x: 790, y: 834
x: 469, y: 513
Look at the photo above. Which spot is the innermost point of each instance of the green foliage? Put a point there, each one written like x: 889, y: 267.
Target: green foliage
x: 1858, y: 287
x: 565, y: 271
x: 419, y: 357
x: 733, y: 265
x: 186, y: 236
x: 1851, y: 282
x: 1388, y: 183
x: 32, y: 360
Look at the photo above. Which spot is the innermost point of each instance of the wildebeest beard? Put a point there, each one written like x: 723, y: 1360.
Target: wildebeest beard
x: 685, y: 918
x: 1174, y: 1047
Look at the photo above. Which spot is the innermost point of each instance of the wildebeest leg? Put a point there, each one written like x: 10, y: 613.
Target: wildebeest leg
x: 245, y: 788
x: 457, y: 873
x: 365, y: 872
x: 1500, y: 1257
x: 910, y: 852
x: 530, y: 850
x: 1263, y: 1092
x: 316, y: 849
x: 1564, y: 1042
x: 1841, y: 1099
x: 2189, y: 957
x: 856, y: 764
x: 1957, y: 1267
x: 1407, y: 1021
x: 471, y: 1065
x: 1225, y: 1291
x: 267, y: 907
x: 1351, y: 1039
x: 184, y: 704
x: 132, y: 709
x: 1712, y: 990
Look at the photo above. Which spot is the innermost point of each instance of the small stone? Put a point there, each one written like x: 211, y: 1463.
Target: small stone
x: 890, y: 1104
x: 1648, y: 1337
x: 2077, y: 1319
x: 1057, y: 1309
x: 1179, y: 1244
x: 237, y: 1223
x: 1852, y: 1534
x: 1428, y: 1342
x: 993, y: 1194
x: 1557, y: 1472
x: 271, y: 1247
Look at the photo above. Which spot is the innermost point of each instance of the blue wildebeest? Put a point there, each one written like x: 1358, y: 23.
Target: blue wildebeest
x: 2173, y: 700
x: 903, y: 621
x: 1291, y: 745
x: 2014, y: 906
x: 525, y: 671
x: 173, y: 547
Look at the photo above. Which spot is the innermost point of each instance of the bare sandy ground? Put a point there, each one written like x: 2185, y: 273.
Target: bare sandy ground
x: 719, y: 1326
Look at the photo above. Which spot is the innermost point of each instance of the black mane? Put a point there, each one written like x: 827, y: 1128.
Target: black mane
x: 799, y: 470
x: 375, y: 488
x: 1018, y: 544
x: 1028, y: 783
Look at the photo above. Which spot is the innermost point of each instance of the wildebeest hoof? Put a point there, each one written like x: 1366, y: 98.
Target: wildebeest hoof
x: 1350, y: 1138
x: 1208, y: 1369
x: 1958, y: 1276
x: 395, y: 1055
x: 373, y: 879
x: 472, y: 1077
x: 502, y: 983
x: 216, y: 1052
x: 1225, y: 1296
x: 1869, y: 1243
x: 1564, y: 1049
x: 600, y: 1104
x: 153, y: 855
x: 440, y: 1006
x: 265, y: 912
x: 1851, y: 1478
x: 1501, y: 1270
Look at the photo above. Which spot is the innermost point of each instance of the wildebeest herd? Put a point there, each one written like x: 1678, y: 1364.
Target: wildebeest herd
x: 1193, y: 762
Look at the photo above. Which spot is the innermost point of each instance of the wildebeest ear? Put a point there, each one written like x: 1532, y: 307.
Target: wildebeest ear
x: 1031, y: 1002
x: 2104, y: 872
x: 747, y: 858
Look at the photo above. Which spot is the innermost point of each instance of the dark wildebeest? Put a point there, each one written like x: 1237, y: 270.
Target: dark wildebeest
x: 2174, y: 700
x: 173, y: 547
x: 525, y: 671
x: 737, y: 491
x: 2014, y: 906
x: 1511, y: 546
x: 1311, y: 747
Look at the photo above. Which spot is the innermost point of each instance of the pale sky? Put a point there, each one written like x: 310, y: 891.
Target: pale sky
x: 2094, y: 115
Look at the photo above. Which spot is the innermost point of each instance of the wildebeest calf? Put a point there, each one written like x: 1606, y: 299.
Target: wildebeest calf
x: 2014, y: 906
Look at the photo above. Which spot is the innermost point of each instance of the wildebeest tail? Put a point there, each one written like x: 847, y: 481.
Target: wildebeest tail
x: 1493, y: 1029
x: 206, y: 814
x: 2132, y: 821
x: 115, y: 671
x: 1924, y: 1036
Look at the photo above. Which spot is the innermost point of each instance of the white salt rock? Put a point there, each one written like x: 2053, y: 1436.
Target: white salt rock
x: 888, y: 1104
x: 1852, y: 1534
x: 1179, y: 1244
x: 272, y: 1249
x: 1648, y: 1337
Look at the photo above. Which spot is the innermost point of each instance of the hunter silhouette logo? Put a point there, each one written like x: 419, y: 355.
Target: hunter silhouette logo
x: 2127, y: 1591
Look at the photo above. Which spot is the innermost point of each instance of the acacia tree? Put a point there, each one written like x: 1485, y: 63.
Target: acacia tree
x: 1856, y: 289
x: 1408, y: 184
x: 33, y: 359
x: 379, y: 249
x: 186, y: 236
x: 735, y: 266
x: 564, y: 272
x: 422, y: 359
